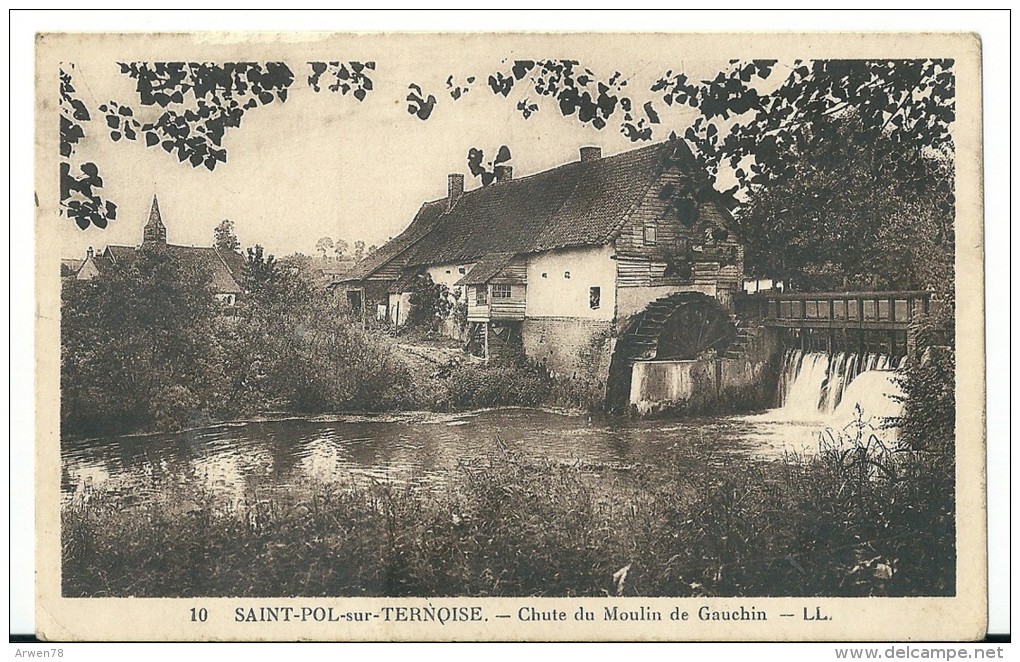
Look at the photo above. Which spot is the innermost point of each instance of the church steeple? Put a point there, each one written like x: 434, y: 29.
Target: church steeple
x: 154, y: 231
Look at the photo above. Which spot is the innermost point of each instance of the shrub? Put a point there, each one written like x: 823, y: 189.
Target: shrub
x: 495, y: 385
x: 431, y: 303
x: 928, y: 380
x: 929, y: 408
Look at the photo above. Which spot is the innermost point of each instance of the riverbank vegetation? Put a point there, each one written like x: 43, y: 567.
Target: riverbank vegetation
x: 148, y: 347
x: 855, y: 520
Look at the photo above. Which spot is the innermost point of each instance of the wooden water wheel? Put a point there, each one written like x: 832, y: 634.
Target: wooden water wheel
x: 679, y: 326
x: 695, y: 326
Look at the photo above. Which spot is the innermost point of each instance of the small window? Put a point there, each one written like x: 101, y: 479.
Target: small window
x: 545, y: 274
x: 447, y: 271
x: 649, y: 235
x: 594, y: 297
x: 566, y: 274
x: 460, y: 270
x: 501, y: 291
x: 482, y: 295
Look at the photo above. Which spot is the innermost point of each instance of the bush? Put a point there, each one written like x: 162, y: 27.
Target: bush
x: 137, y: 348
x: 431, y: 303
x: 495, y: 385
x: 929, y: 408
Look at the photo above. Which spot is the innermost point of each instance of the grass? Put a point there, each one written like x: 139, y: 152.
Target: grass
x: 829, y: 525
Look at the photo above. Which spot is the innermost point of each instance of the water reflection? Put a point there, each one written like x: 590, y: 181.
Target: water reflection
x: 239, y: 459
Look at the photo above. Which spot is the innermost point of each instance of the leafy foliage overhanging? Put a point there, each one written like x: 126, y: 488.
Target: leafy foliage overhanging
x: 845, y: 167
x: 738, y: 115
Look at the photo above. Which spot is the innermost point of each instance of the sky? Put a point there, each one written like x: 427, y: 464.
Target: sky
x: 323, y: 165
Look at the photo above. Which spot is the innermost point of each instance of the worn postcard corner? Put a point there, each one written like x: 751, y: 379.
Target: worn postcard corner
x: 510, y: 337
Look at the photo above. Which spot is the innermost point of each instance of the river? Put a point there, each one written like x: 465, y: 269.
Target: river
x: 422, y: 448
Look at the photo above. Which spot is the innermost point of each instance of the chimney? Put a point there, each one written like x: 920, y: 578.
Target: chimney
x: 89, y: 252
x: 454, y: 189
x: 590, y: 154
x: 504, y: 173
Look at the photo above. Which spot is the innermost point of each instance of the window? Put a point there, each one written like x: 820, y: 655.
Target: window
x: 649, y: 235
x: 594, y: 297
x: 482, y: 295
x: 545, y: 274
x: 501, y: 291
x: 566, y: 274
x: 461, y: 270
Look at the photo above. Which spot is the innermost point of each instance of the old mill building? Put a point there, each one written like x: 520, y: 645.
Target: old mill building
x: 562, y: 261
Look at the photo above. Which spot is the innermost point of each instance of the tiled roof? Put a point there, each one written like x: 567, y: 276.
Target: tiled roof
x: 122, y: 253
x: 423, y: 222
x: 235, y: 263
x: 101, y: 263
x: 223, y: 281
x: 577, y: 204
x: 486, y: 268
x: 70, y: 266
x: 403, y: 284
x: 500, y: 218
x: 609, y: 190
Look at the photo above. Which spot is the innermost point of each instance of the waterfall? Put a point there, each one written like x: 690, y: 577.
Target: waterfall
x: 815, y: 386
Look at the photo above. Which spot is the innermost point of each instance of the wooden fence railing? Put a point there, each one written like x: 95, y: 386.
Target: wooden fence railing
x: 894, y: 310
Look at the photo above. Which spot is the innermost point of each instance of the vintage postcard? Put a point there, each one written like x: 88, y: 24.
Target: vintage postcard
x: 510, y: 337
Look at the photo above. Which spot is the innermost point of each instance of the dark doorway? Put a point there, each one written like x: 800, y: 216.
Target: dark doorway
x: 355, y: 301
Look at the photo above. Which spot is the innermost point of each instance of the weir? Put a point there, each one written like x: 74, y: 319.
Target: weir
x: 819, y: 386
x: 803, y: 352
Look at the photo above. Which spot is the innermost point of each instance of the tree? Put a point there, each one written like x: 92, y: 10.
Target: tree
x: 224, y: 237
x: 196, y: 104
x: 762, y: 124
x: 486, y: 171
x: 745, y: 120
x: 340, y: 248
x: 372, y: 249
x: 906, y: 102
x: 291, y: 349
x: 259, y: 272
x: 431, y: 303
x: 81, y: 199
x: 359, y: 250
x: 137, y: 348
x: 839, y: 219
x: 324, y: 246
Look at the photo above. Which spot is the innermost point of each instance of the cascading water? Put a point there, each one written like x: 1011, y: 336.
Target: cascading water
x: 821, y: 392
x: 816, y: 386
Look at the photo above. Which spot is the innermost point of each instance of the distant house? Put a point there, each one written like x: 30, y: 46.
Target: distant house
x: 69, y: 267
x: 225, y: 267
x: 332, y: 270
x: 557, y: 258
x: 368, y: 283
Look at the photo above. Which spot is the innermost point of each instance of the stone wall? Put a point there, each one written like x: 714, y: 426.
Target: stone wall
x: 574, y: 350
x: 746, y: 383
x: 749, y: 382
x: 659, y: 386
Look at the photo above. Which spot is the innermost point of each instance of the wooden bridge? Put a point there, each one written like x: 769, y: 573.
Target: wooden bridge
x: 840, y: 321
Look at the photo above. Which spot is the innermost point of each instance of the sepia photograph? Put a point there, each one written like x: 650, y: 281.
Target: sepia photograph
x: 494, y: 332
